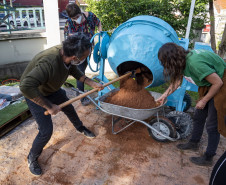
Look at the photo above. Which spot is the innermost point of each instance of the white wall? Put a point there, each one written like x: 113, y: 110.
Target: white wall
x: 20, y: 50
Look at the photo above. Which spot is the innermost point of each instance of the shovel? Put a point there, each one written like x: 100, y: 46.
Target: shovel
x: 96, y: 89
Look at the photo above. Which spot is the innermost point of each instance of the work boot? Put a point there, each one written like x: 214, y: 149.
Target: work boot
x: 86, y: 132
x: 188, y: 146
x: 33, y: 165
x: 85, y: 101
x: 203, y: 160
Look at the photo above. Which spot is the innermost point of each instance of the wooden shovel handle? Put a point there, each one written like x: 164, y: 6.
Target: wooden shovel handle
x: 92, y: 91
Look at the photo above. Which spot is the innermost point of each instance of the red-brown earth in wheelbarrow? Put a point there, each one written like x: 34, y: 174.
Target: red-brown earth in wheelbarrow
x: 132, y: 94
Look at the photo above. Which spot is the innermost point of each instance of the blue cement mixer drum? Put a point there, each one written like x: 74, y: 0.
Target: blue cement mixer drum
x: 139, y: 40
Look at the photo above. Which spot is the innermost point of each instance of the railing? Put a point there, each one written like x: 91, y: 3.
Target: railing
x: 16, y: 19
x: 33, y: 16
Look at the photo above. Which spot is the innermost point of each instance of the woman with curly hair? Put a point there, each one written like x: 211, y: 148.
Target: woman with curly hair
x: 207, y: 71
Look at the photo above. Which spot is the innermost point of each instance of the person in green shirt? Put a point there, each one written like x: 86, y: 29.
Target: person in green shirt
x: 41, y: 85
x: 207, y: 71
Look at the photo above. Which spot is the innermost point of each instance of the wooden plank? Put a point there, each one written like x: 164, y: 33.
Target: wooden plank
x: 11, y: 124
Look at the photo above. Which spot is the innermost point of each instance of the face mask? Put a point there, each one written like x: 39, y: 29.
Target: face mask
x: 77, y: 62
x: 79, y: 20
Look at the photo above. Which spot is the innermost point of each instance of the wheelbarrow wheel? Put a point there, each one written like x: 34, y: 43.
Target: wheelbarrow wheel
x: 183, y: 123
x: 164, y: 126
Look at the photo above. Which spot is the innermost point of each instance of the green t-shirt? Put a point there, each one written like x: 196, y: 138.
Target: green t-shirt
x: 201, y: 63
x: 46, y: 73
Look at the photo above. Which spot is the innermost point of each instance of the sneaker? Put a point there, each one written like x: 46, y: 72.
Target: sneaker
x: 34, y: 167
x: 86, y: 132
x: 188, y: 146
x: 202, y: 160
x: 85, y: 101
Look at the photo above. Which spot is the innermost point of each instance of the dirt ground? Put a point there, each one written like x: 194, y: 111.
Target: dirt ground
x: 131, y: 157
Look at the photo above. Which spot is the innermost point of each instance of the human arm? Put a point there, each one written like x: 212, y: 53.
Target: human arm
x: 96, y: 22
x: 172, y: 87
x: 216, y: 83
x: 53, y: 109
x: 99, y: 27
x: 91, y: 82
x: 32, y: 80
x: 67, y: 29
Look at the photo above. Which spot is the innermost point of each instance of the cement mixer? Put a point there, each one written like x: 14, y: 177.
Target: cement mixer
x: 136, y: 43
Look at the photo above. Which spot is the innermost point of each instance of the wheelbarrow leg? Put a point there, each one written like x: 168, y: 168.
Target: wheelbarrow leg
x: 115, y: 120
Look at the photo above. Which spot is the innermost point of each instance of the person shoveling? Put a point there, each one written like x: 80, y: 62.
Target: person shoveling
x: 41, y: 85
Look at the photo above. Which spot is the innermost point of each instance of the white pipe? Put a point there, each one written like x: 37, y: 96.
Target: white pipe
x: 190, y: 19
x: 52, y: 22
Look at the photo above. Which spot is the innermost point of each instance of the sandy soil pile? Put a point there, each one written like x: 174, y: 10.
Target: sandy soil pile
x: 132, y: 94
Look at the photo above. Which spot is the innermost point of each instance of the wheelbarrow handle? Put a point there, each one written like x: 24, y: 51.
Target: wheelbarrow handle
x: 93, y: 90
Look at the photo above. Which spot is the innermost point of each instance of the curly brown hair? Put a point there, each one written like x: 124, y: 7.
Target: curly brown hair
x: 173, y: 59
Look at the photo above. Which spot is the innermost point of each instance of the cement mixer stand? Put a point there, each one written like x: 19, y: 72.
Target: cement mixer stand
x: 99, y: 56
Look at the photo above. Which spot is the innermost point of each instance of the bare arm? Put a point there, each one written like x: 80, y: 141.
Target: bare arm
x: 216, y: 82
x: 91, y: 83
x: 169, y: 91
x: 172, y: 88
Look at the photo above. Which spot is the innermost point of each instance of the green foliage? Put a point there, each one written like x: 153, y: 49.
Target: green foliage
x: 12, y: 84
x: 73, y: 82
x: 112, y: 13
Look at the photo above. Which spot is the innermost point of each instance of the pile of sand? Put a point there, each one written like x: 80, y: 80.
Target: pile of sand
x: 132, y: 94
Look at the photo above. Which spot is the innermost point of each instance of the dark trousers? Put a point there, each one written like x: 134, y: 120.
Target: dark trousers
x: 45, y: 124
x: 82, y: 67
x: 208, y: 117
x: 218, y: 176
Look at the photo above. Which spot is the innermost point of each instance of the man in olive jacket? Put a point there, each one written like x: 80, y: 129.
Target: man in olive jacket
x: 41, y: 85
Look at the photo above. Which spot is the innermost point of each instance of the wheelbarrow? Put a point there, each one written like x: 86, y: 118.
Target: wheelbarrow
x: 159, y: 127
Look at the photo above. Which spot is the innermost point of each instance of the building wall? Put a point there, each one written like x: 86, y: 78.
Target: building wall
x: 20, y: 47
x: 17, y: 50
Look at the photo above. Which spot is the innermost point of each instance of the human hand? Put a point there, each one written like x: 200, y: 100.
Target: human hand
x: 97, y: 85
x: 200, y: 104
x: 161, y: 100
x: 54, y: 109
